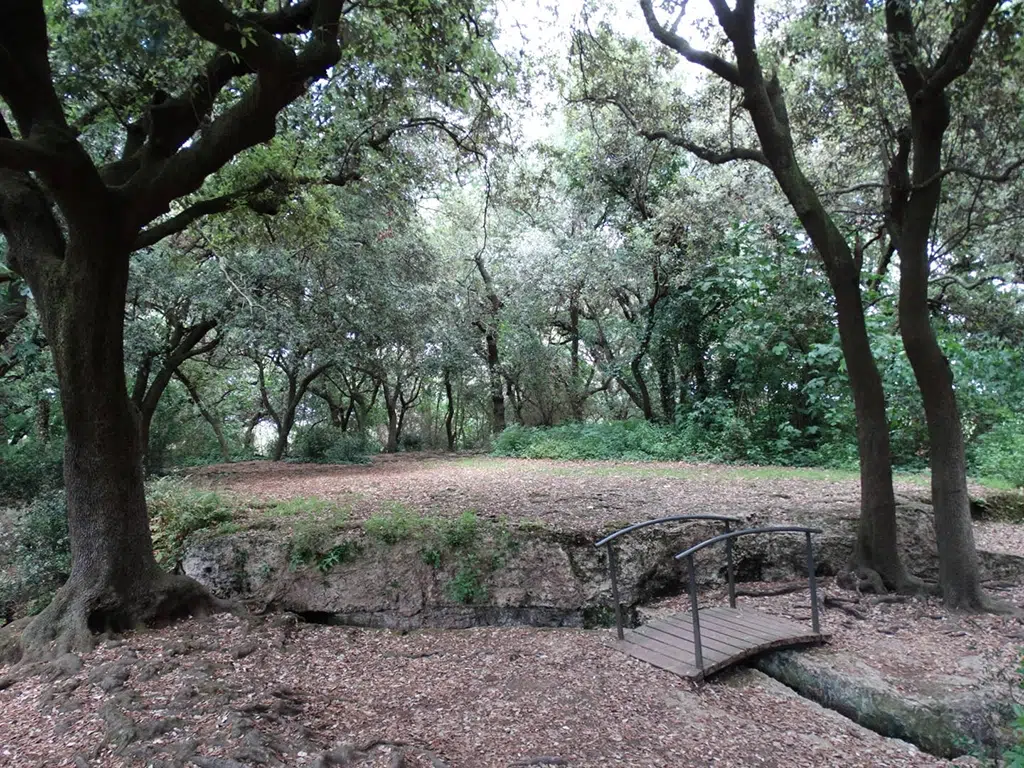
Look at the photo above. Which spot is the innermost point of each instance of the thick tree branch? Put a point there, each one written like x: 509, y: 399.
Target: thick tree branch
x: 904, y: 51
x: 707, y: 154
x: 955, y: 58
x: 196, y: 211
x: 26, y: 84
x: 24, y: 156
x: 280, y: 79
x: 710, y: 61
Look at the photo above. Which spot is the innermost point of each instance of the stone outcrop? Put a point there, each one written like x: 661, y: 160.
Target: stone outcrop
x: 517, y: 575
x: 941, y: 719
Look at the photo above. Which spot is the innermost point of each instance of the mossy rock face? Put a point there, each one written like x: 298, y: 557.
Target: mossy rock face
x: 939, y: 722
x: 999, y: 506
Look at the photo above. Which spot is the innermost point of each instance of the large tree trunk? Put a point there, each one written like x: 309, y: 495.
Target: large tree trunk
x: 490, y: 329
x: 393, y: 428
x: 959, y: 575
x: 449, y: 415
x: 877, y: 539
x: 497, y: 384
x: 115, y: 583
x: 915, y: 191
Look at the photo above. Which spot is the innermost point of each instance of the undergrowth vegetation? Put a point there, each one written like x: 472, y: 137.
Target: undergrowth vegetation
x: 30, y: 468
x: 998, y: 455
x: 177, y: 510
x: 38, y: 555
x: 325, y: 445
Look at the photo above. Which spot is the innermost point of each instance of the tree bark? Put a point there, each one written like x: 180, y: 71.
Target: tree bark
x: 915, y: 180
x: 115, y: 583
x: 449, y: 416
x: 876, y: 540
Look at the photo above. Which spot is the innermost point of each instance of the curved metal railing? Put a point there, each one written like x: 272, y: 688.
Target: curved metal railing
x: 609, y: 540
x: 728, y: 537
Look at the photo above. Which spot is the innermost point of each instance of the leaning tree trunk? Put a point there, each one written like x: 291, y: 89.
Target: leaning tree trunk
x: 764, y: 100
x: 115, y: 583
x: 877, y: 541
x: 959, y: 576
x: 497, y: 385
x: 449, y: 415
x: 959, y: 572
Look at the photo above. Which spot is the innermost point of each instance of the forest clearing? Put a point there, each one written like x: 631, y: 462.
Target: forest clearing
x: 274, y: 689
x: 473, y: 382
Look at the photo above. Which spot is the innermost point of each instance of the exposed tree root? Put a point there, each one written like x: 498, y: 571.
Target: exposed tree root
x: 843, y: 605
x: 79, y: 613
x: 783, y: 589
x: 861, y: 578
x: 986, y: 604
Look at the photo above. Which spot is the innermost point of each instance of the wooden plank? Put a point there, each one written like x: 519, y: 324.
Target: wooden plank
x: 683, y: 649
x: 755, y: 621
x: 657, y: 658
x: 685, y: 633
x: 742, y: 635
x: 754, y: 618
x: 741, y: 624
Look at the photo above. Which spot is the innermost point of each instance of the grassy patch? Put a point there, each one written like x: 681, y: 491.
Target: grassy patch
x: 307, y: 507
x: 399, y: 523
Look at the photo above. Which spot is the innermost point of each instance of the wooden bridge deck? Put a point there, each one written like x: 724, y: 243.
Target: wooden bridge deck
x: 727, y: 635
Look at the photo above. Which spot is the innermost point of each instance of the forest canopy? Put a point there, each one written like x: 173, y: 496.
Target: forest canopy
x: 785, y: 233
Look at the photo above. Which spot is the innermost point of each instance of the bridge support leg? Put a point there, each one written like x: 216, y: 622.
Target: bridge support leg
x: 815, y: 622
x: 698, y: 652
x: 613, y: 570
x: 730, y: 572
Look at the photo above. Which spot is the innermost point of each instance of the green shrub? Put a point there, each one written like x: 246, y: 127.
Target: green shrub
x: 398, y: 524
x: 467, y: 586
x: 1014, y: 756
x: 461, y: 532
x: 322, y: 444
x: 30, y: 468
x: 177, y: 510
x: 40, y: 556
x: 634, y: 440
x: 999, y: 453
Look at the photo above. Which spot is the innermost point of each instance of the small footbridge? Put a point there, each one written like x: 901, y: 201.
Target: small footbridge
x: 697, y: 643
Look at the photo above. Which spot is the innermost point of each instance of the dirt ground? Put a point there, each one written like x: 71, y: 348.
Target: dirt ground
x: 232, y: 691
x: 576, y: 495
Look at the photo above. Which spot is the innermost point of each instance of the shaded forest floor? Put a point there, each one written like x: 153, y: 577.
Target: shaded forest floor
x: 269, y: 690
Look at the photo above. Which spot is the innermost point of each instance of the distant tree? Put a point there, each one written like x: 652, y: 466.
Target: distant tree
x: 105, y: 157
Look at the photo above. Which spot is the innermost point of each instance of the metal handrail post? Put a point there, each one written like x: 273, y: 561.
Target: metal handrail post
x: 698, y: 654
x: 815, y: 624
x: 615, y: 589
x: 729, y: 569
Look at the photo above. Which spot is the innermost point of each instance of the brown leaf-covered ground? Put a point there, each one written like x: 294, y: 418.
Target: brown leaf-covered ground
x: 229, y: 691
x: 576, y: 495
